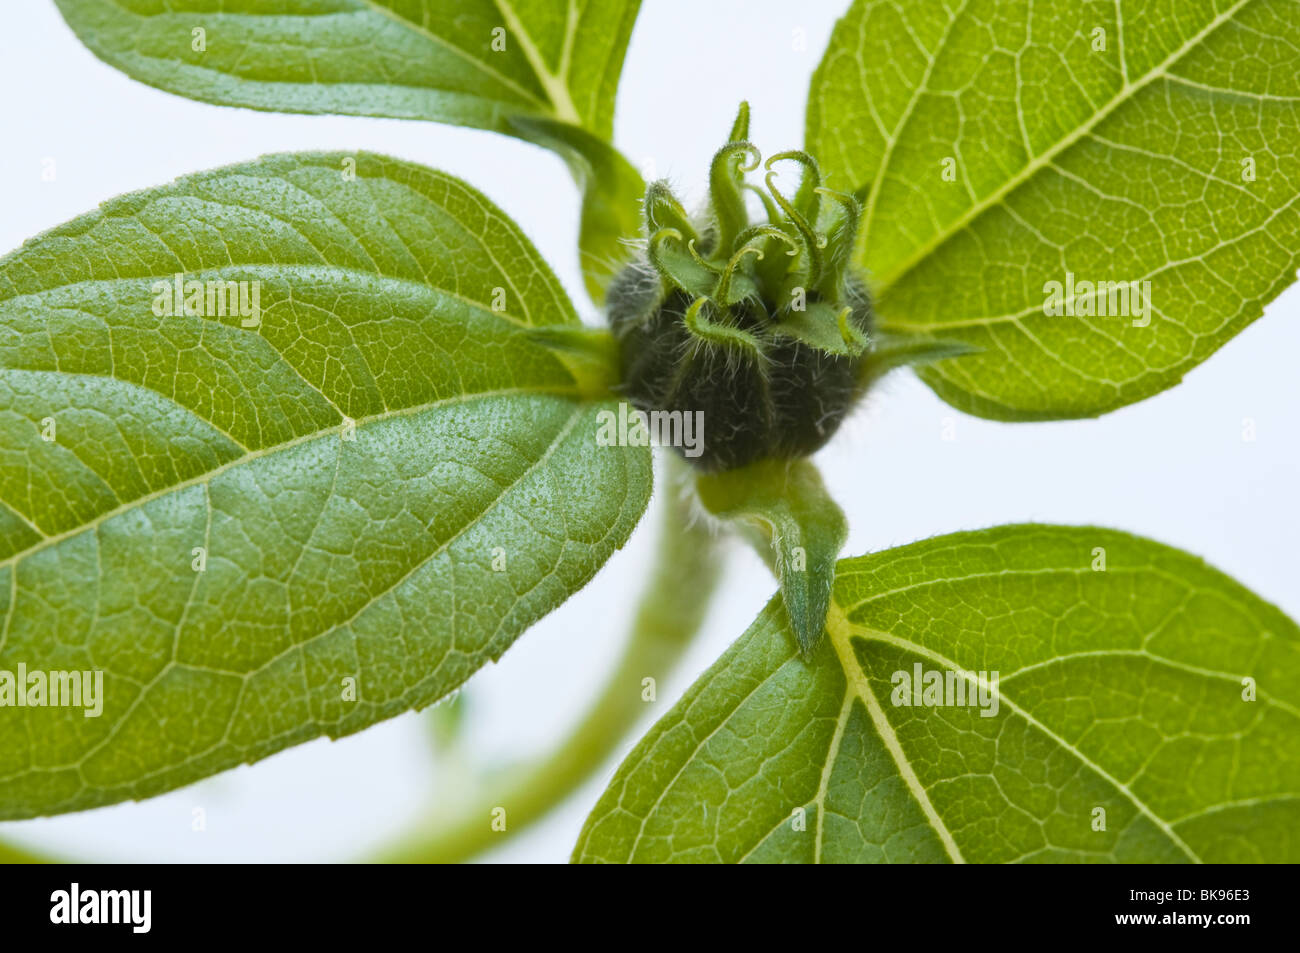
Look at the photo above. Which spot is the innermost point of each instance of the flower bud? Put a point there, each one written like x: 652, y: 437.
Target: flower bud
x: 762, y: 327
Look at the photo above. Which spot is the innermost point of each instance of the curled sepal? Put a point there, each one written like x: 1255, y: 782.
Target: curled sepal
x: 726, y: 193
x: 778, y: 253
x: 807, y: 201
x: 675, y: 260
x: 700, y: 260
x: 783, y: 508
x: 812, y: 243
x: 718, y: 334
x: 768, y: 231
x: 840, y: 243
x: 820, y: 326
x: 769, y: 207
x: 854, y: 338
x: 662, y: 210
x: 782, y: 250
x: 734, y: 285
x: 891, y: 351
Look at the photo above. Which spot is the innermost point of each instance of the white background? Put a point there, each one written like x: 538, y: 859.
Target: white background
x: 1175, y: 467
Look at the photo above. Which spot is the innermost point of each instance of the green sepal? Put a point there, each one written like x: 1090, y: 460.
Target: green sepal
x: 740, y: 128
x: 662, y: 210
x: 824, y: 327
x: 727, y: 194
x: 811, y: 243
x: 841, y: 242
x: 891, y: 351
x: 673, y: 258
x: 735, y: 285
x: 807, y: 200
x: 719, y: 334
x: 783, y: 508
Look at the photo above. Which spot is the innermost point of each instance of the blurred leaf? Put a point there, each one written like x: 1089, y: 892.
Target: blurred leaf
x: 612, y: 192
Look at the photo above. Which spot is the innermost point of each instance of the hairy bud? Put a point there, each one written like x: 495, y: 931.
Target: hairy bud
x: 762, y: 327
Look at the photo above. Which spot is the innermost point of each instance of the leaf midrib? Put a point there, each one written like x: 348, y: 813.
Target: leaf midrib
x: 840, y: 631
x: 555, y: 84
x: 481, y: 65
x: 300, y: 646
x: 209, y: 475
x: 851, y: 630
x: 288, y: 269
x: 1042, y: 160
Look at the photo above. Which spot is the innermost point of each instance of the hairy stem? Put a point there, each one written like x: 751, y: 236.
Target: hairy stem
x: 672, y: 608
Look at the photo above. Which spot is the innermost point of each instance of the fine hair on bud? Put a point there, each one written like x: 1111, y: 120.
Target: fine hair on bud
x: 760, y: 326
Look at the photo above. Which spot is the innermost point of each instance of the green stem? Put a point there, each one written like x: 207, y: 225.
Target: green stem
x: 670, y: 613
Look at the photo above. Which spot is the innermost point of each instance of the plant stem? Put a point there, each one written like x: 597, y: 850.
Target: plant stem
x: 671, y: 611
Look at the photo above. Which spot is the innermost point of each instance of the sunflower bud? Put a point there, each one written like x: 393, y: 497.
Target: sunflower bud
x: 762, y: 327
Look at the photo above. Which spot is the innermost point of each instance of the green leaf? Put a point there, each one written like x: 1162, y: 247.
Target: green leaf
x: 1147, y: 711
x: 612, y: 191
x: 1110, y: 140
x: 468, y: 62
x: 536, y: 69
x: 384, y: 480
x: 795, y: 525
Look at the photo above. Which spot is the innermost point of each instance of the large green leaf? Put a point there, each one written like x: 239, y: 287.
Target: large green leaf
x: 1121, y: 702
x: 388, y: 478
x: 1114, y: 140
x: 470, y: 62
